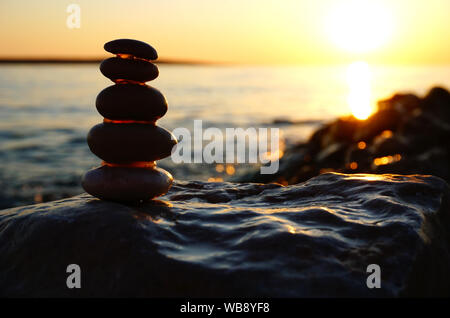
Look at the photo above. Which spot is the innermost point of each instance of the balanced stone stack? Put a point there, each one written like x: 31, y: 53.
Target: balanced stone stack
x: 128, y: 141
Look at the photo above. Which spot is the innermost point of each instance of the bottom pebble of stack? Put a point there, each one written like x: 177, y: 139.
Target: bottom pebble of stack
x: 127, y: 184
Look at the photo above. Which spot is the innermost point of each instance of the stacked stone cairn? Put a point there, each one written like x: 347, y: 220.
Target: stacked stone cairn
x: 129, y: 141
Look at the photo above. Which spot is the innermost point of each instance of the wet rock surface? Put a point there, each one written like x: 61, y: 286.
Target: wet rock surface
x: 407, y: 135
x: 224, y: 239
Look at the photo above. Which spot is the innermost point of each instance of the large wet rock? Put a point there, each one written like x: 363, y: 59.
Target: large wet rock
x: 225, y: 239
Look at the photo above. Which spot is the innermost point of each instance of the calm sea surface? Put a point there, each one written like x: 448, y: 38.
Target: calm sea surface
x: 47, y: 110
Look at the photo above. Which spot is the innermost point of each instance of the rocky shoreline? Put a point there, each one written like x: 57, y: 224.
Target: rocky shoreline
x: 302, y: 232
x: 211, y: 239
x: 407, y: 135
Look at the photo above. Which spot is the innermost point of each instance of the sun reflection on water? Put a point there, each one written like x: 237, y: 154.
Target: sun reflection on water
x: 359, y: 95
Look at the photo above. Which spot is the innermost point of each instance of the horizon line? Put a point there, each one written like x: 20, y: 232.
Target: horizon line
x: 97, y: 60
x: 65, y: 60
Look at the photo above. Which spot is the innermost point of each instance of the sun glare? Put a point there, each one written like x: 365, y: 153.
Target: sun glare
x: 359, y: 96
x: 359, y: 26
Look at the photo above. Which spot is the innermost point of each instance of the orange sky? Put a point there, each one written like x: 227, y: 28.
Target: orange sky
x: 238, y: 31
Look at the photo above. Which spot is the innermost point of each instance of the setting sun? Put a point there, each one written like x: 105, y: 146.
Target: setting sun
x: 359, y: 26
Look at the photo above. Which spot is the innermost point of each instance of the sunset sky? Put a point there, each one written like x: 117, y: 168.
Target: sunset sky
x: 237, y: 31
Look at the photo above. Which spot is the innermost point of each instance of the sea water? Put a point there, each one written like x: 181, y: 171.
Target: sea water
x: 46, y: 111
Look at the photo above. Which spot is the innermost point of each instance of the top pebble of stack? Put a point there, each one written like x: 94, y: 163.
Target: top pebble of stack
x: 133, y: 47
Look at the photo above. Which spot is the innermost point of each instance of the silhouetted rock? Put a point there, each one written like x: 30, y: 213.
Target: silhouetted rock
x: 116, y: 68
x: 407, y: 135
x: 437, y: 102
x: 127, y: 184
x: 131, y: 102
x: 124, y: 143
x: 133, y: 47
x: 225, y: 239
